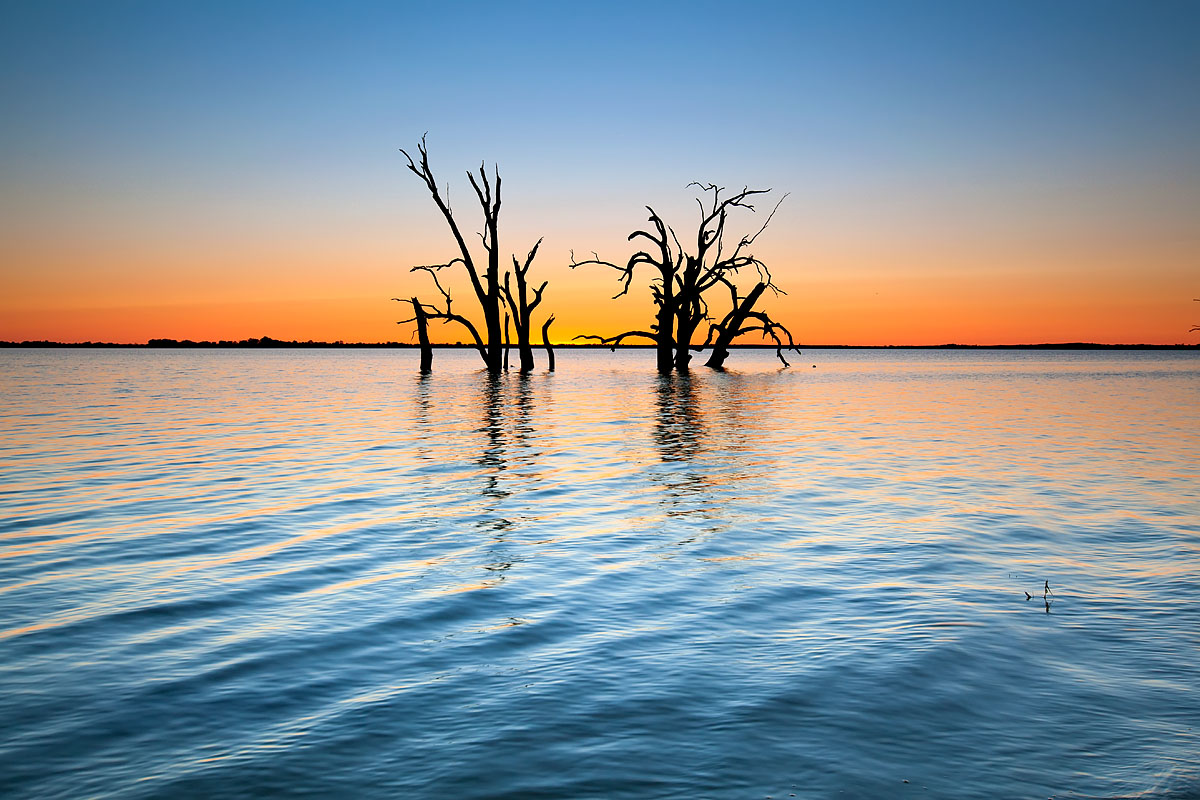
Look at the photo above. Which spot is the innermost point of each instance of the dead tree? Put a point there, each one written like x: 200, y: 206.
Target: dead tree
x: 420, y: 316
x: 667, y: 262
x: 522, y: 307
x: 686, y: 280
x: 446, y: 313
x: 731, y: 327
x: 491, y: 291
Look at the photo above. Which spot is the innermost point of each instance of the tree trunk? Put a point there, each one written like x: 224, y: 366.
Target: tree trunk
x: 686, y: 322
x: 731, y: 325
x: 546, y: 343
x: 525, y: 349
x: 666, y: 324
x: 507, y: 343
x: 522, y: 323
x: 495, y: 338
x: 423, y: 336
x: 496, y: 345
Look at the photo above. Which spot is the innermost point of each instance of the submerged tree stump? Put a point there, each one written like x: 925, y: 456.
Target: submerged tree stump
x: 546, y: 344
x: 423, y: 335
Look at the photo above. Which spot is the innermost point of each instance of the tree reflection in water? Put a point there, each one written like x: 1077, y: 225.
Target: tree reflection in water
x: 708, y: 432
x: 492, y: 457
x: 678, y: 426
x: 682, y: 437
x: 509, y: 459
x: 687, y: 452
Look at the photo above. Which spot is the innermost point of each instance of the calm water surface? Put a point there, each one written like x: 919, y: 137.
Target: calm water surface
x: 314, y: 573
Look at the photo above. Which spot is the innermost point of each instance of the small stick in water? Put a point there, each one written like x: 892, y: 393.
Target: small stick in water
x: 1045, y: 592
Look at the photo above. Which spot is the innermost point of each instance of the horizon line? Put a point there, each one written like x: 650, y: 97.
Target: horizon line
x: 267, y: 342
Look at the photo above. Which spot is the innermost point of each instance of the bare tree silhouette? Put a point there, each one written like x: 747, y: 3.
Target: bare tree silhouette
x: 685, y: 281
x: 522, y: 307
x: 491, y: 291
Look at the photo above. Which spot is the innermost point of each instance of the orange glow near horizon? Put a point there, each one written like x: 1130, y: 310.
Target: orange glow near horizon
x: 980, y: 268
x: 986, y: 271
x: 891, y: 292
x: 820, y: 317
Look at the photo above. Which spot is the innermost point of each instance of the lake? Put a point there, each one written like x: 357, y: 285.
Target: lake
x: 315, y: 573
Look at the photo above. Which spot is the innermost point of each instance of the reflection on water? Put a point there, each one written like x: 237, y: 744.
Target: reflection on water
x: 678, y: 427
x: 230, y: 574
x: 680, y: 436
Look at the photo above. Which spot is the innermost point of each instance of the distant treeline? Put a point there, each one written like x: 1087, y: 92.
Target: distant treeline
x: 268, y: 342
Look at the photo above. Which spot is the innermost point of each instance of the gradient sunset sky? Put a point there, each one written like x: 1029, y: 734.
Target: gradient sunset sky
x: 970, y: 172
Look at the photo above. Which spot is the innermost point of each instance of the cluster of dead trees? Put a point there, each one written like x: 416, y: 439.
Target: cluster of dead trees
x: 684, y: 282
x: 495, y: 295
x: 691, y: 286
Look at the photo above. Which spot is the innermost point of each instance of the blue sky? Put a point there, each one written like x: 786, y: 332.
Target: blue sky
x: 257, y: 121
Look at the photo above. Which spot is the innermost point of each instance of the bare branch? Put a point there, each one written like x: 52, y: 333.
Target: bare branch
x: 424, y: 306
x: 769, y: 328
x: 433, y: 271
x: 770, y: 217
x: 640, y: 257
x: 616, y: 340
x: 423, y: 171
x: 529, y: 258
x: 537, y: 296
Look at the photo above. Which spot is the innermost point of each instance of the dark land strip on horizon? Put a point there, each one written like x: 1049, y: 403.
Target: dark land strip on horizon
x: 268, y: 342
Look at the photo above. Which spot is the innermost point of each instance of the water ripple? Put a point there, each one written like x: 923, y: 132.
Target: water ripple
x: 237, y: 574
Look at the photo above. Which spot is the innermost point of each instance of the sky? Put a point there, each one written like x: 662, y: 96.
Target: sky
x: 971, y: 172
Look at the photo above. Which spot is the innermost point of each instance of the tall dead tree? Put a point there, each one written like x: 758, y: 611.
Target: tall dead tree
x: 686, y: 280
x: 491, y: 291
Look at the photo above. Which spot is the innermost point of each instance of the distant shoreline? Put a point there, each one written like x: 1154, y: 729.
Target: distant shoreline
x: 267, y: 342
